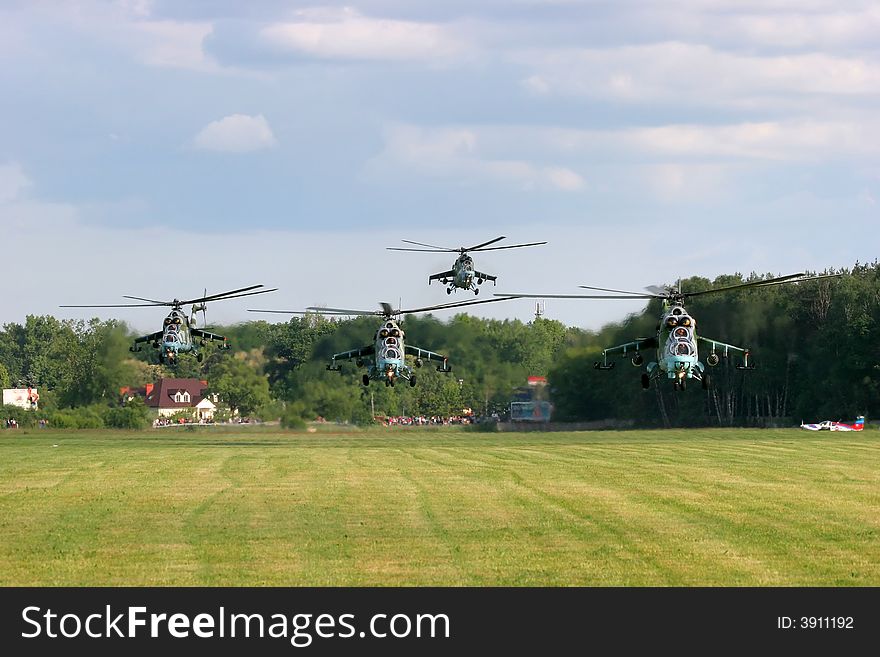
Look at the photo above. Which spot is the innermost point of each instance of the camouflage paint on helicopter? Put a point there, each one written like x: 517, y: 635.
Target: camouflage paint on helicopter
x: 179, y: 332
x: 677, y: 355
x: 388, y: 352
x: 385, y: 358
x: 676, y: 350
x: 463, y: 274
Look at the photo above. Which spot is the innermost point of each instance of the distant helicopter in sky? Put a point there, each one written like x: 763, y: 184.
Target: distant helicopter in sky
x: 179, y: 333
x: 676, y: 340
x: 385, y: 357
x: 463, y: 275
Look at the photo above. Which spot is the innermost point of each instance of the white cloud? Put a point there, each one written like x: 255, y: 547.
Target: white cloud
x: 845, y: 25
x: 237, y: 133
x: 85, y: 251
x: 563, y: 178
x: 689, y: 163
x: 555, y: 151
x: 173, y: 44
x: 346, y: 34
x: 137, y: 7
x: 793, y: 139
x: 458, y: 154
x: 677, y: 182
x: 129, y: 26
x: 13, y: 182
x: 798, y: 28
x: 686, y: 73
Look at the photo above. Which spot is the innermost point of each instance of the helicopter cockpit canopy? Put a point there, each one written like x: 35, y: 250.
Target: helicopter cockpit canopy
x: 389, y: 330
x: 175, y: 317
x: 677, y: 316
x: 681, y: 348
x: 390, y: 353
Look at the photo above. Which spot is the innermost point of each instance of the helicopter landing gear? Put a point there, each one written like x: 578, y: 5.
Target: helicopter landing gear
x: 412, y: 381
x: 448, y: 290
x: 646, y: 382
x: 476, y: 290
x: 366, y: 379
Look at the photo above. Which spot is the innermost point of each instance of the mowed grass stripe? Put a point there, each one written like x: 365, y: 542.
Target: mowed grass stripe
x: 606, y: 535
x: 701, y: 507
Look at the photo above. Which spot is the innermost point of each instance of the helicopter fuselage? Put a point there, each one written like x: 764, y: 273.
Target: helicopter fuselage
x: 387, y: 354
x: 176, y: 337
x: 389, y: 361
x: 178, y: 330
x: 462, y: 276
x: 464, y: 272
x: 677, y: 354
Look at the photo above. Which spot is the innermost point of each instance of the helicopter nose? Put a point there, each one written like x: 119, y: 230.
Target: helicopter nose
x: 681, y: 365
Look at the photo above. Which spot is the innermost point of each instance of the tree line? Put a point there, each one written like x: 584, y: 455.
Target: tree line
x: 815, y: 345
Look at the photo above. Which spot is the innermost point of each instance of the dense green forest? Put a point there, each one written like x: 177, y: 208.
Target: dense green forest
x: 816, y: 347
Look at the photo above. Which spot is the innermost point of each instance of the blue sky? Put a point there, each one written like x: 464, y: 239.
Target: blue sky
x: 157, y: 148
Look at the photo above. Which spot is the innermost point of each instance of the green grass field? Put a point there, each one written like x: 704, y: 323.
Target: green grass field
x: 408, y: 507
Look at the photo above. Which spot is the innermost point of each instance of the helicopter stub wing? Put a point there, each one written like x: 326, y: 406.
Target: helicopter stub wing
x: 715, y: 344
x: 148, y: 338
x: 207, y: 335
x: 441, y: 276
x: 485, y: 277
x: 425, y: 354
x: 725, y: 349
x: 634, y: 346
x: 369, y: 350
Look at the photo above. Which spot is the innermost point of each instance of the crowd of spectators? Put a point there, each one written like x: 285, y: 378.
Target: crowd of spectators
x: 433, y: 420
x: 174, y: 421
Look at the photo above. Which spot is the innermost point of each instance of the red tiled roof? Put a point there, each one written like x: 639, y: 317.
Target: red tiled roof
x: 162, y: 394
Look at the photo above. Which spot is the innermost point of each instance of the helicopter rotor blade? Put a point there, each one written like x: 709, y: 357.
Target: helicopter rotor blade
x: 387, y: 310
x: 512, y: 246
x: 115, y: 305
x: 156, y: 301
x: 454, y: 304
x: 660, y: 290
x: 430, y: 246
x: 204, y: 309
x: 514, y: 295
x: 343, y: 311
x: 790, y: 278
x: 399, y: 248
x: 230, y: 296
x: 480, y: 246
x: 297, y: 312
x: 606, y: 289
x: 219, y: 295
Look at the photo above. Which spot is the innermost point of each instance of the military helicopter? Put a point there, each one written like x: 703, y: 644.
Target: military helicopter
x: 388, y: 351
x: 676, y: 340
x: 462, y: 275
x: 179, y: 332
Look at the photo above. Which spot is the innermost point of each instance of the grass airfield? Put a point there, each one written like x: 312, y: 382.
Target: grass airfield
x: 410, y: 507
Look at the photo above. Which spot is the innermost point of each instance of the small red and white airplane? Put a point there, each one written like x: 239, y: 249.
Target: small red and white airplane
x: 828, y: 425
